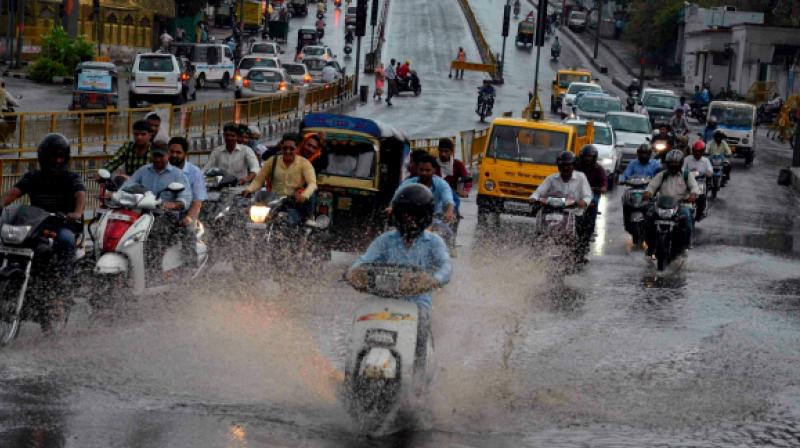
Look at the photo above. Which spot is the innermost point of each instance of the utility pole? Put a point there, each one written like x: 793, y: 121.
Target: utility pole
x: 597, y: 30
x: 20, y: 30
x: 361, y: 27
x: 729, y: 53
x: 541, y: 15
x: 97, y: 24
x: 506, y: 20
x: 373, y: 20
x: 9, y: 26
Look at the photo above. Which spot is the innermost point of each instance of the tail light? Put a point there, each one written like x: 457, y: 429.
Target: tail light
x: 307, y: 78
x: 184, y: 76
x: 116, y: 228
x: 246, y: 83
x: 282, y: 85
x: 237, y: 76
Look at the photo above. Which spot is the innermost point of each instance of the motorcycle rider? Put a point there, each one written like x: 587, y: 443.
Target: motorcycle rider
x: 178, y: 151
x: 684, y: 106
x: 774, y: 105
x: 290, y: 175
x: 134, y: 154
x: 233, y: 158
x: 697, y: 163
x: 314, y: 150
x: 718, y: 146
x: 633, y: 88
x: 320, y: 26
x: 329, y: 72
x: 410, y: 245
x: 454, y: 172
x: 672, y: 182
x: 643, y: 166
x: 710, y: 129
x: 598, y: 181
x: 569, y: 184
x: 555, y: 48
x: 55, y: 189
x: 404, y: 70
x: 517, y: 7
x: 680, y: 126
x: 486, y: 92
x: 154, y: 121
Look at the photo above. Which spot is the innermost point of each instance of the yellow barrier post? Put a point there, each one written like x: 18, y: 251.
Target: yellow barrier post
x: 106, y: 131
x: 21, y: 130
x: 81, y: 135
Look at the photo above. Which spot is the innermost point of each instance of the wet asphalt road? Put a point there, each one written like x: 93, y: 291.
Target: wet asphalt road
x: 618, y: 355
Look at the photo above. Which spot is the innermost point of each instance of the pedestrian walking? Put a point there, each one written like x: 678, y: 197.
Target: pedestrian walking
x: 391, y: 77
x: 380, y: 78
x: 461, y: 57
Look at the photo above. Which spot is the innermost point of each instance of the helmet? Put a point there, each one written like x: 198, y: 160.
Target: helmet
x: 589, y: 151
x: 719, y: 134
x: 644, y: 148
x: 412, y: 210
x: 674, y: 156
x: 699, y: 146
x: 565, y: 158
x: 51, y: 147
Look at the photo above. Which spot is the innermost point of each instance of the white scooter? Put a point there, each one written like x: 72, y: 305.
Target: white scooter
x: 121, y: 244
x: 381, y: 376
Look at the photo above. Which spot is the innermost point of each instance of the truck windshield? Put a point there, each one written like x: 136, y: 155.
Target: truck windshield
x: 565, y: 79
x: 526, y: 144
x: 741, y: 117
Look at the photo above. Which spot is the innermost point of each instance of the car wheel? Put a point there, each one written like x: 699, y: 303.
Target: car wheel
x: 226, y: 80
x: 201, y: 81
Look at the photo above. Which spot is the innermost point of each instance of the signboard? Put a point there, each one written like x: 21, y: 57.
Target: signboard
x: 95, y: 80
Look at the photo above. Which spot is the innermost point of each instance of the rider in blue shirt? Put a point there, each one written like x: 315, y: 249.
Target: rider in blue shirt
x: 643, y: 166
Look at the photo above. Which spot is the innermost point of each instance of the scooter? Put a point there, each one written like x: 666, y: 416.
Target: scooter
x: 382, y: 373
x: 633, y: 199
x: 669, y: 242
x: 221, y: 214
x: 126, y: 255
x: 717, y: 181
x: 411, y: 83
x: 29, y: 271
x: 485, y: 105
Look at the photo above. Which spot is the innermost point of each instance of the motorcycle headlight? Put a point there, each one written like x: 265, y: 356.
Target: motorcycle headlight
x: 606, y: 162
x: 259, y: 213
x: 660, y: 146
x: 488, y: 185
x: 665, y: 213
x: 14, y: 234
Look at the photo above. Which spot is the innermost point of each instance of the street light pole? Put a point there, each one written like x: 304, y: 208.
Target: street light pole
x: 506, y: 19
x: 597, y: 30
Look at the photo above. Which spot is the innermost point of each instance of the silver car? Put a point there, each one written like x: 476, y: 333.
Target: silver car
x: 265, y: 81
x: 592, y: 106
x: 315, y: 66
x: 630, y: 131
x: 298, y: 72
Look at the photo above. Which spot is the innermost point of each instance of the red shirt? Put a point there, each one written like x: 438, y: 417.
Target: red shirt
x: 459, y: 172
x: 403, y: 71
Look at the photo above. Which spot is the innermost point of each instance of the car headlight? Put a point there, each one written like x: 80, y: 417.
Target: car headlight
x: 607, y: 162
x: 259, y: 213
x: 14, y: 234
x: 488, y: 185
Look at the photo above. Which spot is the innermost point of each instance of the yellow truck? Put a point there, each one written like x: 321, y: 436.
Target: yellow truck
x: 518, y: 155
x: 252, y: 16
x: 560, y: 85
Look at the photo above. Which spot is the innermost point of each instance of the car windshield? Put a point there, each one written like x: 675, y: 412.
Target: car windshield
x: 741, y: 117
x: 575, y: 88
x: 313, y: 51
x: 248, y: 63
x: 565, y: 79
x: 626, y: 123
x: 295, y: 69
x: 526, y: 144
x: 661, y: 101
x: 263, y: 76
x: 315, y: 64
x: 156, y: 64
x: 264, y: 48
x: 599, y: 105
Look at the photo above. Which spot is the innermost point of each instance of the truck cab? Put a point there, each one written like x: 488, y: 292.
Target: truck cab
x: 738, y: 122
x: 560, y: 85
x: 518, y: 155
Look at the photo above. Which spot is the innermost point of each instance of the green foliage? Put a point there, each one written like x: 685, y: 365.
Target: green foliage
x: 654, y: 26
x: 59, y: 55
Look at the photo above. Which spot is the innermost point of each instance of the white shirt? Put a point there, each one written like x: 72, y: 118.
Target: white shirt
x: 701, y: 166
x: 329, y: 73
x: 577, y: 188
x: 240, y: 162
x: 166, y: 39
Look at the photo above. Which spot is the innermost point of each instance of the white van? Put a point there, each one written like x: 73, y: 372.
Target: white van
x: 212, y: 63
x: 738, y: 122
x: 155, y: 78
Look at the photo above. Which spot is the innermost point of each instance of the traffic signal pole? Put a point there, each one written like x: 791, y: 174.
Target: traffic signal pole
x: 361, y: 28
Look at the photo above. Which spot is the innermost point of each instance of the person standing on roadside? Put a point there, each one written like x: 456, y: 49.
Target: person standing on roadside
x: 380, y: 78
x: 391, y: 77
x: 461, y: 57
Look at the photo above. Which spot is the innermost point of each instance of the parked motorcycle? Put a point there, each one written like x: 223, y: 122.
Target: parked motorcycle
x: 410, y: 83
x: 557, y: 231
x: 766, y: 114
x: 134, y: 254
x: 633, y: 199
x: 31, y: 284
x: 382, y: 373
x: 699, y: 112
x: 485, y: 105
x: 669, y: 241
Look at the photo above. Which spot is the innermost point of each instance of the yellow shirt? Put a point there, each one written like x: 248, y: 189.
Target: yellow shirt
x: 286, y: 180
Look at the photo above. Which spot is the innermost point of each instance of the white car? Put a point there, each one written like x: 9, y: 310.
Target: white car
x: 249, y: 62
x: 156, y: 78
x: 630, y: 131
x: 317, y: 51
x: 265, y: 49
x: 264, y: 81
x: 578, y: 20
x: 315, y: 66
x: 572, y: 90
x: 298, y: 72
x: 604, y: 142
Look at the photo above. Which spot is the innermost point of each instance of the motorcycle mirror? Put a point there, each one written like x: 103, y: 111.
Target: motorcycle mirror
x: 176, y: 187
x: 104, y: 174
x: 214, y: 172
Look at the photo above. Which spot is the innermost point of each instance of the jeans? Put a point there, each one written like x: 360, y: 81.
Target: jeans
x: 423, y: 334
x: 64, y: 248
x: 299, y: 213
x: 591, y: 215
x: 444, y: 230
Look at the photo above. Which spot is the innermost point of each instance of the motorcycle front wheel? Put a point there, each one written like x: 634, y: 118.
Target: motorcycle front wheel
x: 10, y: 310
x: 662, y: 251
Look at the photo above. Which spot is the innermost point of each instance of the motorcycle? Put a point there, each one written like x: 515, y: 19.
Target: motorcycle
x: 337, y: 3
x: 557, y: 231
x: 128, y: 255
x: 630, y: 103
x: 29, y: 271
x: 485, y: 105
x: 382, y: 373
x: 766, y: 114
x: 699, y: 213
x: 222, y: 211
x: 661, y: 146
x: 555, y: 53
x: 633, y: 199
x: 516, y: 10
x: 669, y: 242
x: 699, y: 112
x: 718, y: 179
x: 320, y: 33
x: 348, y: 48
x: 410, y: 83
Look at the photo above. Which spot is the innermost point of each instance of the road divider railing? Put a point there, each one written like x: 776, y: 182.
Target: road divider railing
x: 484, y: 49
x: 103, y: 131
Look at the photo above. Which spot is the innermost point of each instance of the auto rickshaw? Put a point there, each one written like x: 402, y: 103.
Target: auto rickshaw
x: 95, y: 86
x: 525, y: 33
x: 306, y: 36
x: 299, y: 7
x: 364, y: 168
x: 278, y: 30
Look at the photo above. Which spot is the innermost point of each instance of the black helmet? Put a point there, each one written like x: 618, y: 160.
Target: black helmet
x: 565, y: 158
x: 644, y: 148
x: 589, y: 151
x: 51, y: 147
x: 719, y: 134
x: 412, y: 210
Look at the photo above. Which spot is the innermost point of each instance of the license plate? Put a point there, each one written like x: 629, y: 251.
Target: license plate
x: 253, y: 225
x: 155, y: 79
x: 662, y: 222
x: 555, y: 217
x: 344, y: 203
x: 120, y: 217
x: 213, y: 195
x: 17, y: 251
x: 517, y: 207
